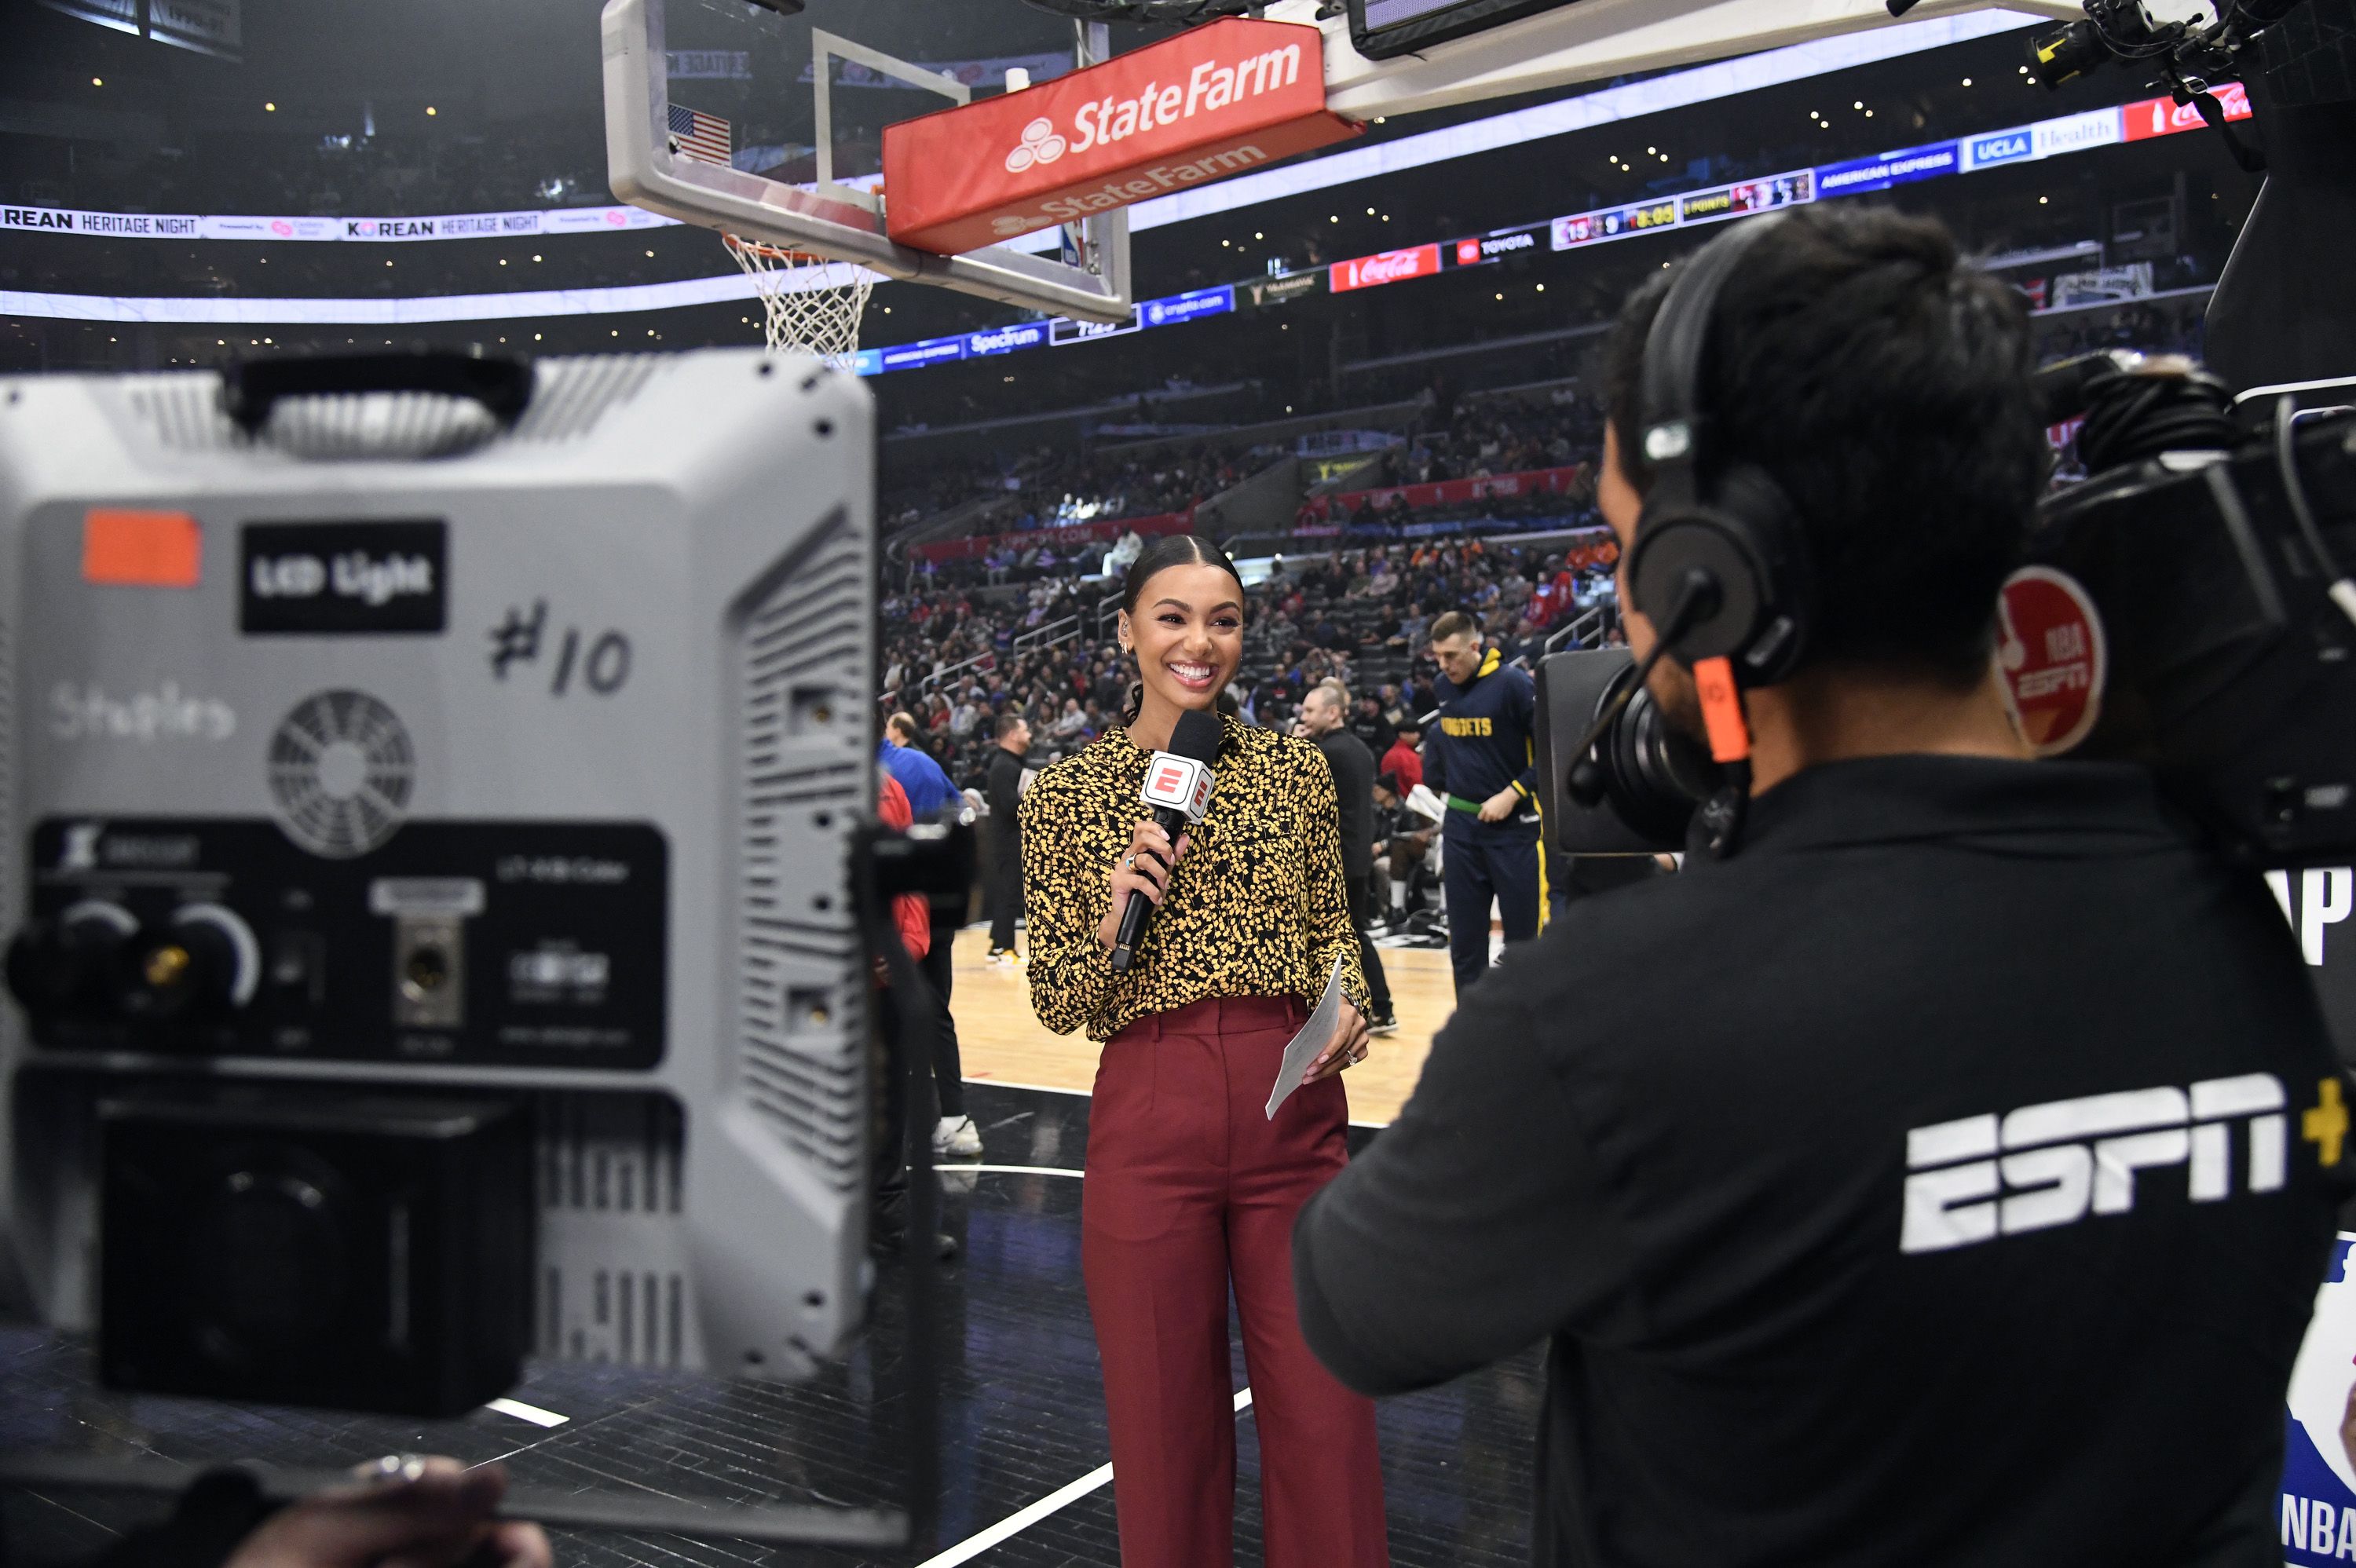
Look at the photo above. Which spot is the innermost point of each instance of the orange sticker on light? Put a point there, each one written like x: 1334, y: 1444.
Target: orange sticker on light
x: 1722, y: 710
x: 124, y: 549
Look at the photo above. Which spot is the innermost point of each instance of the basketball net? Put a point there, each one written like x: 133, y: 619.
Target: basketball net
x: 811, y: 305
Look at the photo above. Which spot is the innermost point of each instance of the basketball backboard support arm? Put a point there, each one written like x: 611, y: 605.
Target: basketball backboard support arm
x: 1593, y: 39
x: 833, y: 219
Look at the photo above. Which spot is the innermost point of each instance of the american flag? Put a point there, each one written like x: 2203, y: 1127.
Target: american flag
x: 703, y: 137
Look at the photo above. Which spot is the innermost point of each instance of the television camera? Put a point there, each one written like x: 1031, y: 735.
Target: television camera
x: 2188, y: 606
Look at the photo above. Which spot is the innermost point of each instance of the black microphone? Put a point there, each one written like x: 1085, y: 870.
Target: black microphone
x: 1178, y: 788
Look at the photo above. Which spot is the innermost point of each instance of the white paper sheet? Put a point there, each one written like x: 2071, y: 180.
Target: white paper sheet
x: 1313, y: 1037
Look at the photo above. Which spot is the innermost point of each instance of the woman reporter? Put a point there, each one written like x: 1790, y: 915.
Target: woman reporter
x: 1189, y: 1183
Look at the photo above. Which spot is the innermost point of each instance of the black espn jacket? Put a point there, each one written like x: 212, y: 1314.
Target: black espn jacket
x: 1943, y: 1179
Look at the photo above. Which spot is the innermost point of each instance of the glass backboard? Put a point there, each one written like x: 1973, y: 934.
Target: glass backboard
x: 728, y: 115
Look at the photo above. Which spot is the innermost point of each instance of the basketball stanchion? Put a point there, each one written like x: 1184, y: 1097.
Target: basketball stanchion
x: 810, y: 304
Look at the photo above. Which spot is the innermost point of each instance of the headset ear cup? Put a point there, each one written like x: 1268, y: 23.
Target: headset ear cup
x: 1751, y: 497
x: 1675, y: 544
x: 1748, y: 541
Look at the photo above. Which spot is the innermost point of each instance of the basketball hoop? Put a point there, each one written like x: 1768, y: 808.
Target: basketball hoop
x: 812, y: 304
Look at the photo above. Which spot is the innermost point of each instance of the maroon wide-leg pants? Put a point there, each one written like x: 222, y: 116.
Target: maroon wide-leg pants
x: 1190, y: 1185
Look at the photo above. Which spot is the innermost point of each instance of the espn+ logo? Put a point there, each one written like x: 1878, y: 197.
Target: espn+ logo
x: 2053, y: 1164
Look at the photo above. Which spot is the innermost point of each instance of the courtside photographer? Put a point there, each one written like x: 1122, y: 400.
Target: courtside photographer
x: 1940, y: 1169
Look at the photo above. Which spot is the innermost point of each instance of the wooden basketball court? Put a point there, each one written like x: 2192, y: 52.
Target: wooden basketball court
x: 1003, y: 1042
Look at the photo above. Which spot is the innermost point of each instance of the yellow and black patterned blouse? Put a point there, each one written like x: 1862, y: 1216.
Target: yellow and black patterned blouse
x: 1256, y: 907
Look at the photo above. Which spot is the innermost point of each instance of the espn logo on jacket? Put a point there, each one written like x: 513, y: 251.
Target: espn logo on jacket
x: 1979, y: 1178
x: 1180, y: 784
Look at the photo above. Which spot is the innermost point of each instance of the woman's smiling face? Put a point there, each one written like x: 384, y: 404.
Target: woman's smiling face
x: 1188, y: 634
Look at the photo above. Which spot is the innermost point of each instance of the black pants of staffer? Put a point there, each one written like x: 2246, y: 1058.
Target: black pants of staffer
x: 1005, y: 899
x: 1362, y: 915
x: 948, y: 1066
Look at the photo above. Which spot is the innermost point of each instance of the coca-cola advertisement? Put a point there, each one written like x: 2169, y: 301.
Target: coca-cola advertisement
x: 1391, y: 267
x: 2166, y: 117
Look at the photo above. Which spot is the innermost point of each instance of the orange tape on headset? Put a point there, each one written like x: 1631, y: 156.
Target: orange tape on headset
x: 1722, y: 710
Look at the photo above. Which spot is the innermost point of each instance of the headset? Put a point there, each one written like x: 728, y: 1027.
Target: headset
x: 1720, y: 565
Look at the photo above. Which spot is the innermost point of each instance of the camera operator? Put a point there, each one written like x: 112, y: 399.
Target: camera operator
x: 1944, y: 1176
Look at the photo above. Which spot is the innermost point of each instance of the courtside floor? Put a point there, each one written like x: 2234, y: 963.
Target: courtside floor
x: 1024, y: 1478
x: 1003, y: 1041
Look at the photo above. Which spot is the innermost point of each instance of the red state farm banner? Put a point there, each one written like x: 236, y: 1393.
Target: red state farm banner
x: 1216, y: 101
x: 1453, y: 492
x: 2166, y: 117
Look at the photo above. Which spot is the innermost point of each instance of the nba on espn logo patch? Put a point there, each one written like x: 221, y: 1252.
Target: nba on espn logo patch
x: 2053, y: 1164
x: 1180, y: 784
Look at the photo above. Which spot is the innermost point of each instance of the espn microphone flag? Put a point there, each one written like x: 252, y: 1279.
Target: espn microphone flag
x: 704, y: 137
x: 1224, y: 99
x: 1178, y: 787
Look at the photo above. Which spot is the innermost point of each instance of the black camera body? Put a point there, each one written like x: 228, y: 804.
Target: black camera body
x: 1651, y: 775
x: 2220, y: 656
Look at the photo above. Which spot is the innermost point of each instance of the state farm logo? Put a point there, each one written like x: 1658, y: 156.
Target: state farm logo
x: 1039, y: 146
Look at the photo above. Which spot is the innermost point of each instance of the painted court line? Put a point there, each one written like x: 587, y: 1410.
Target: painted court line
x: 1006, y: 1169
x: 1014, y: 1524
x: 1036, y: 1088
x: 531, y: 1412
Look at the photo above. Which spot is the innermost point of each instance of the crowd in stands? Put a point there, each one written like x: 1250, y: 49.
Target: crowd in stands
x: 1044, y: 488
x: 1359, y: 614
x: 1362, y: 615
x: 1499, y: 435
x: 2162, y: 326
x: 1454, y: 436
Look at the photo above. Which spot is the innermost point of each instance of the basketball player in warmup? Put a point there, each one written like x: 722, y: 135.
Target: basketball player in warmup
x: 1189, y: 1184
x: 1482, y: 761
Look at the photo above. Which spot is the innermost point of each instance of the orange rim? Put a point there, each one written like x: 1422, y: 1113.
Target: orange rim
x: 775, y: 252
